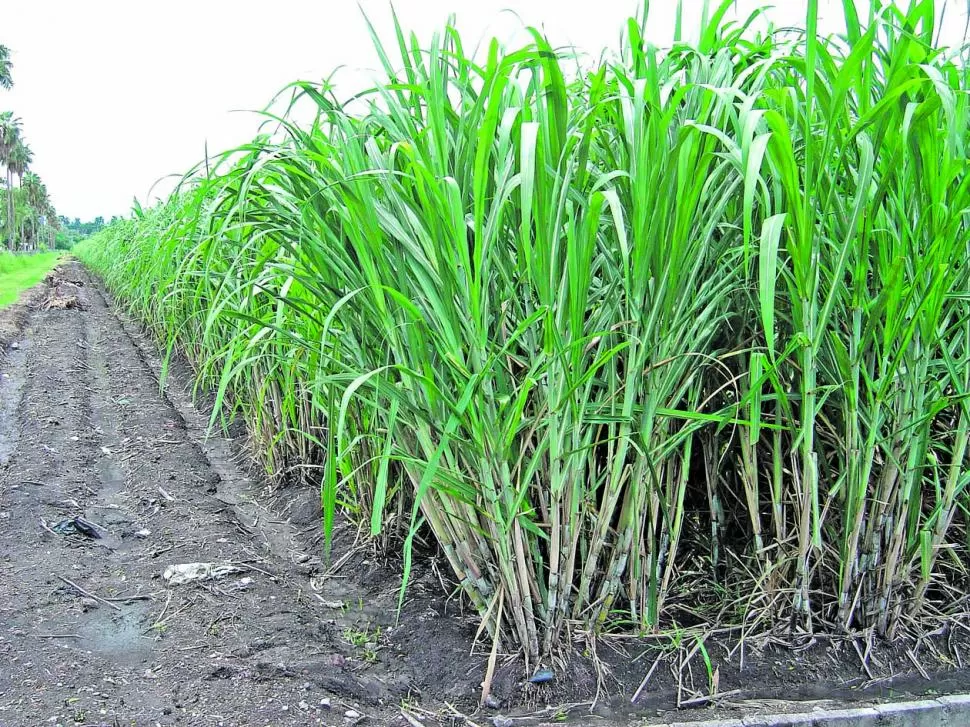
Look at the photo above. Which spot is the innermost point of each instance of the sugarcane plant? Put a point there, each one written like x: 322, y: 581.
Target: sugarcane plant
x: 681, y: 338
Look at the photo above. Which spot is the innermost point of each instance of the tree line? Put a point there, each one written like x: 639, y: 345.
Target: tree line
x: 70, y: 232
x: 30, y: 219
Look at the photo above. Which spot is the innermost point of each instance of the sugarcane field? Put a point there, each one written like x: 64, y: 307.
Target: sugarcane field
x: 505, y: 364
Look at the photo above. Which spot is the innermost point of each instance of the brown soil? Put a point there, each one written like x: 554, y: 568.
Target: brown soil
x: 92, y: 634
x: 84, y: 431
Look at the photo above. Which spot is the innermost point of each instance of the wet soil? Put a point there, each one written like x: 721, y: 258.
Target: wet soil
x: 91, y: 633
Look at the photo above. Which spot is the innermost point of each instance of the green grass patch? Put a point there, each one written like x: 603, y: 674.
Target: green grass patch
x: 20, y: 272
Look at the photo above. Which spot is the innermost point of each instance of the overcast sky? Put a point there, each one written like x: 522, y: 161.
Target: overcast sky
x: 116, y: 94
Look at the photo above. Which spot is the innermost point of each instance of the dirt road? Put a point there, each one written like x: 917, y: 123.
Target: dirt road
x: 90, y: 631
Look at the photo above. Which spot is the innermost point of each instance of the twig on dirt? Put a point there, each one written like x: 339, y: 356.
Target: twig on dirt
x: 58, y: 636
x: 159, y: 624
x: 869, y: 646
x: 806, y: 646
x: 878, y: 680
x: 562, y: 708
x: 680, y: 676
x: 83, y: 592
x: 685, y: 662
x: 410, y: 720
x: 33, y: 482
x: 709, y: 698
x: 161, y: 551
x: 643, y: 684
x: 125, y: 599
x: 248, y: 564
x: 339, y: 564
x: 466, y: 720
x: 493, y: 656
x: 862, y: 658
x: 158, y: 619
x: 919, y: 667
x: 163, y: 493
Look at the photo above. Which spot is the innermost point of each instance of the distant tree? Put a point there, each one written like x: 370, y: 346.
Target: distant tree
x: 9, y: 138
x: 18, y: 162
x: 73, y: 231
x: 39, y: 218
x: 6, y: 68
x: 20, y: 159
x: 37, y: 212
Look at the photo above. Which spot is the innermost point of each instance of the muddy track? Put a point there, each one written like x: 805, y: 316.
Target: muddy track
x: 91, y: 633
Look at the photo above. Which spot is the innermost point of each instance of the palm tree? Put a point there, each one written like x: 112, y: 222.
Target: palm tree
x: 53, y: 224
x: 10, y: 128
x: 32, y: 189
x: 6, y: 67
x: 18, y: 162
x: 39, y: 210
x: 21, y: 157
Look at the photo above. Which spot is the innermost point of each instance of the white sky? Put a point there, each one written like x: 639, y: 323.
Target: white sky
x: 116, y: 94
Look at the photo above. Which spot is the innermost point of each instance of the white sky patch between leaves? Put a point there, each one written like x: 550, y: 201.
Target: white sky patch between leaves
x: 116, y: 95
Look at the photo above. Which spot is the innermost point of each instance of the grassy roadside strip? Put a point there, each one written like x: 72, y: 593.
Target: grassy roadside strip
x: 20, y: 272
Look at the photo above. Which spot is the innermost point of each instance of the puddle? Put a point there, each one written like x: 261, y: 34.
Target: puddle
x: 112, y: 479
x: 116, y: 634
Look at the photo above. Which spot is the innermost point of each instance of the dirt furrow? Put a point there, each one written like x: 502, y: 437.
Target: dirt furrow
x: 103, y: 485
